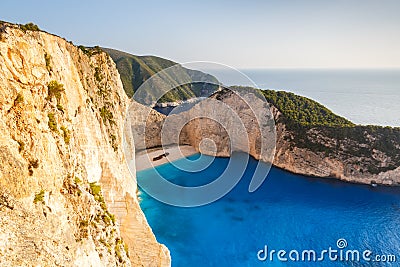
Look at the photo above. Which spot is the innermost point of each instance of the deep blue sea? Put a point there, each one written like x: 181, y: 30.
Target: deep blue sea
x: 288, y: 212
x: 365, y: 96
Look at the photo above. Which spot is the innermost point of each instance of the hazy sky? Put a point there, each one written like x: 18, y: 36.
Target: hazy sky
x: 242, y: 34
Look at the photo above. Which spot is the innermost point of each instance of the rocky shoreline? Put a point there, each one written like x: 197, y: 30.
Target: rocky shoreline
x: 353, y: 158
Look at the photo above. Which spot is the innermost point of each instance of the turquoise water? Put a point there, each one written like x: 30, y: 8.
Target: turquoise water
x: 287, y: 212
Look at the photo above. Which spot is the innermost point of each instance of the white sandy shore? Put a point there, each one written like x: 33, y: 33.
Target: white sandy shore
x: 144, y: 159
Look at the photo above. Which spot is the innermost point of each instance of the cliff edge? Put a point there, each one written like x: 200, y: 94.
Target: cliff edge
x: 312, y: 141
x: 66, y: 195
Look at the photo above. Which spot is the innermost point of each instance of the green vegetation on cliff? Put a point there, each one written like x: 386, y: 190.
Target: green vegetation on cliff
x: 314, y: 127
x: 304, y: 111
x: 312, y: 124
x: 90, y: 51
x: 55, y: 89
x: 299, y: 110
x: 29, y: 27
x: 134, y: 70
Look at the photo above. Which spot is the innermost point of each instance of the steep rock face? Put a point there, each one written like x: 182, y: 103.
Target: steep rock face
x: 220, y: 129
x: 61, y: 127
x: 355, y: 154
x: 148, y: 125
x: 326, y: 155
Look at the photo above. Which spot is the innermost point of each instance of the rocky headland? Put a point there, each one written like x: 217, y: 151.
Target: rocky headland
x: 67, y: 197
x: 312, y: 141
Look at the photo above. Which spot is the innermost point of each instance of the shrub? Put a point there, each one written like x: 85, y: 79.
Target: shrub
x: 97, y: 74
x: 97, y: 50
x: 66, y: 135
x: 60, y: 107
x: 84, y: 223
x: 102, y: 241
x: 55, y: 88
x: 77, y: 180
x: 95, y: 189
x: 90, y: 51
x: 39, y: 197
x: 19, y: 99
x: 119, y: 244
x: 85, y: 50
x: 118, y: 253
x: 106, y: 115
x: 47, y: 59
x: 52, y: 122
x: 102, y: 202
x: 29, y: 27
x: 106, y: 219
x: 112, y: 217
x: 126, y: 248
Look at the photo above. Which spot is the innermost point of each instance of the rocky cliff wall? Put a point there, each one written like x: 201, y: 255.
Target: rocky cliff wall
x: 66, y: 195
x: 359, y: 154
x: 327, y: 155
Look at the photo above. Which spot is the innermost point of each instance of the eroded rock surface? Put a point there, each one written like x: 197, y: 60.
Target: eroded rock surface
x: 61, y: 126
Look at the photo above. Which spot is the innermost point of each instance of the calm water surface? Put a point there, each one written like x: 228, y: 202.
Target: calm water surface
x: 287, y: 212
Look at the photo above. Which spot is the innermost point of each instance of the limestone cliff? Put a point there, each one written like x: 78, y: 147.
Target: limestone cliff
x: 66, y: 195
x: 360, y: 154
x: 354, y: 153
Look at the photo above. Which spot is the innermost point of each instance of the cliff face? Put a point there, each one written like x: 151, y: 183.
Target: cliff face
x: 361, y: 154
x: 219, y: 130
x: 66, y: 195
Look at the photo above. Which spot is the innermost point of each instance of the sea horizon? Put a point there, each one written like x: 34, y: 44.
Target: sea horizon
x: 365, y: 96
